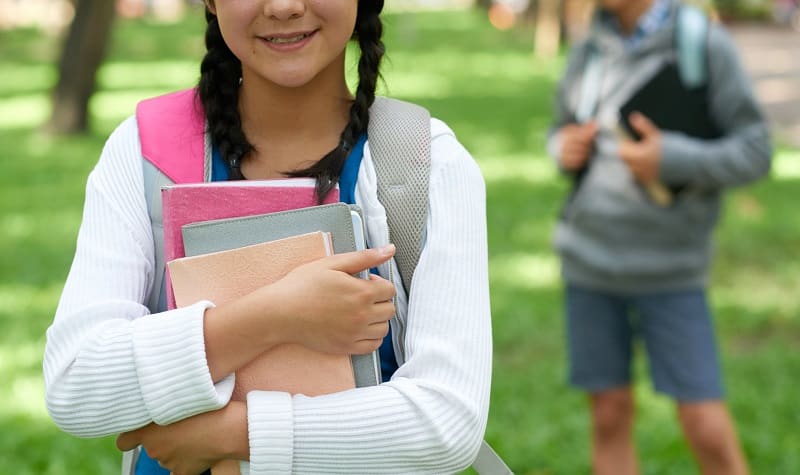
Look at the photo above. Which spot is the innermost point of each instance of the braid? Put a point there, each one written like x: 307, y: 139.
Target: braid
x: 218, y: 89
x: 368, y: 31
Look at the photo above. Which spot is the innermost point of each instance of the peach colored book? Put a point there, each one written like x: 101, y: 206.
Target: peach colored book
x: 227, y: 275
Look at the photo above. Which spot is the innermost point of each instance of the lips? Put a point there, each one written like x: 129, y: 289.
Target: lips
x: 288, y: 38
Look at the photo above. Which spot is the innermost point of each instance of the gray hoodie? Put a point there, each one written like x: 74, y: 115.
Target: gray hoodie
x: 611, y: 236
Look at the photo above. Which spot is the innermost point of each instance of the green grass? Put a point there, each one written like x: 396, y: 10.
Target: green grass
x: 486, y: 86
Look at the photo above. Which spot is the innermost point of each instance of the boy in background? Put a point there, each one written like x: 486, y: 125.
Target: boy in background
x: 635, y: 234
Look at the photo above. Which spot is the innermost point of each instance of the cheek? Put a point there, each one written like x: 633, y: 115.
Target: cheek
x: 338, y: 13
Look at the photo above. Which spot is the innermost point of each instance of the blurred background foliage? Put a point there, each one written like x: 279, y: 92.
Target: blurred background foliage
x: 486, y: 84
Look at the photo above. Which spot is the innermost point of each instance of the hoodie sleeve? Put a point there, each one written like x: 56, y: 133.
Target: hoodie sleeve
x: 568, y: 90
x: 743, y: 153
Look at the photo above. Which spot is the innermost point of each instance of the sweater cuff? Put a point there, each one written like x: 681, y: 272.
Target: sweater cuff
x: 271, y: 432
x: 554, y: 146
x: 170, y: 356
x: 678, y: 160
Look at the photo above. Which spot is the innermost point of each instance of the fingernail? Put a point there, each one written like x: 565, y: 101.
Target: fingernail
x: 386, y: 250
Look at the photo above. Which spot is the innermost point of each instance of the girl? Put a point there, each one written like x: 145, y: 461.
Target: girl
x: 274, y: 96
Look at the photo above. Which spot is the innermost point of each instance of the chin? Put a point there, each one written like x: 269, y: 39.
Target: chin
x: 292, y: 79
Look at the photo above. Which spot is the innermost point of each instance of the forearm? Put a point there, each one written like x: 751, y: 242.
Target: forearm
x: 109, y: 366
x: 106, y: 375
x: 743, y: 151
x: 239, y: 331
x: 740, y: 157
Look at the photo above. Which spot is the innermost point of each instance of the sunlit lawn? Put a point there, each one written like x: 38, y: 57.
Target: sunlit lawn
x: 486, y: 86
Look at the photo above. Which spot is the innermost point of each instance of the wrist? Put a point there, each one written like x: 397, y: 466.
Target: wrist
x: 240, y: 330
x: 234, y: 440
x: 270, y: 317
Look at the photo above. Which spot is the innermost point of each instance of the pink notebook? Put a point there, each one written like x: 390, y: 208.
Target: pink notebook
x: 196, y: 202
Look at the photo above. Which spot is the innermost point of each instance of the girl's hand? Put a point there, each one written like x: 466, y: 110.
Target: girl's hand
x: 325, y: 308
x: 319, y: 305
x: 191, y: 446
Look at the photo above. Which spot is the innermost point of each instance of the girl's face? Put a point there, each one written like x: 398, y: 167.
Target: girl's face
x: 286, y: 42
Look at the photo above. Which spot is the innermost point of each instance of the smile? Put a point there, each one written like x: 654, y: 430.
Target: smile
x: 280, y: 40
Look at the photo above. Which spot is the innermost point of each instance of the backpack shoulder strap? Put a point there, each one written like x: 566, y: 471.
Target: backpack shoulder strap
x: 400, y: 142
x: 172, y: 133
x: 691, y: 43
x: 590, y: 86
x: 175, y: 149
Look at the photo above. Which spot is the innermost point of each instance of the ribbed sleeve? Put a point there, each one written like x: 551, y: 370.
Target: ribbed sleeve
x: 270, y: 431
x: 109, y: 367
x: 430, y: 418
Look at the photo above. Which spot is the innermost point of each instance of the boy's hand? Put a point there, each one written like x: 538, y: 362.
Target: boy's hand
x: 643, y: 157
x: 577, y: 141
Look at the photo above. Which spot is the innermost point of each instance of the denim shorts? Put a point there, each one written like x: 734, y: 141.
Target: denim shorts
x: 675, y: 327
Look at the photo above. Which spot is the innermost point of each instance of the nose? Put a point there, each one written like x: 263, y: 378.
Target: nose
x: 284, y: 9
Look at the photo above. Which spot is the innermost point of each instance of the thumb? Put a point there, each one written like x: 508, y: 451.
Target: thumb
x: 642, y: 125
x: 355, y: 262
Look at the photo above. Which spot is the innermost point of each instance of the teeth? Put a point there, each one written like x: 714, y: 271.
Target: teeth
x: 293, y: 39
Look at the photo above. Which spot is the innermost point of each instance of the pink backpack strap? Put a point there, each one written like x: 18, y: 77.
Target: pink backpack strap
x: 172, y: 134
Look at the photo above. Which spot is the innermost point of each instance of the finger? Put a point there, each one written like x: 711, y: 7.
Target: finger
x: 127, y: 441
x: 577, y: 147
x: 364, y: 347
x: 589, y: 130
x: 381, y: 313
x: 377, y: 331
x: 629, y: 151
x: 574, y: 157
x: 377, y: 278
x: 644, y: 126
x: 354, y: 262
x: 383, y: 290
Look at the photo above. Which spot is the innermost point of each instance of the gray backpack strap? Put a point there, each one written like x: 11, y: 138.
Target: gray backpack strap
x: 400, y: 143
x: 153, y: 181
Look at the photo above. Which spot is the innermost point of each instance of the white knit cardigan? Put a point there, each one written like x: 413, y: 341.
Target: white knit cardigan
x: 110, y: 367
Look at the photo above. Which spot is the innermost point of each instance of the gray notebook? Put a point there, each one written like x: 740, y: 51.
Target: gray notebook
x: 338, y: 219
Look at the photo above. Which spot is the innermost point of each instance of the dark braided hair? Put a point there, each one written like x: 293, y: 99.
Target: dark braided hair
x: 220, y: 72
x: 219, y: 89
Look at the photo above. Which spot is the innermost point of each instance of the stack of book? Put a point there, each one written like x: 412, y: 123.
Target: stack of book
x: 224, y: 240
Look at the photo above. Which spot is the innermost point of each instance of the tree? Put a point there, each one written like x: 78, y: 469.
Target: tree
x: 81, y: 56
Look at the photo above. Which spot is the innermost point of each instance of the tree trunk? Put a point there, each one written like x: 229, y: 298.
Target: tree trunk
x: 82, y: 54
x: 548, y: 28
